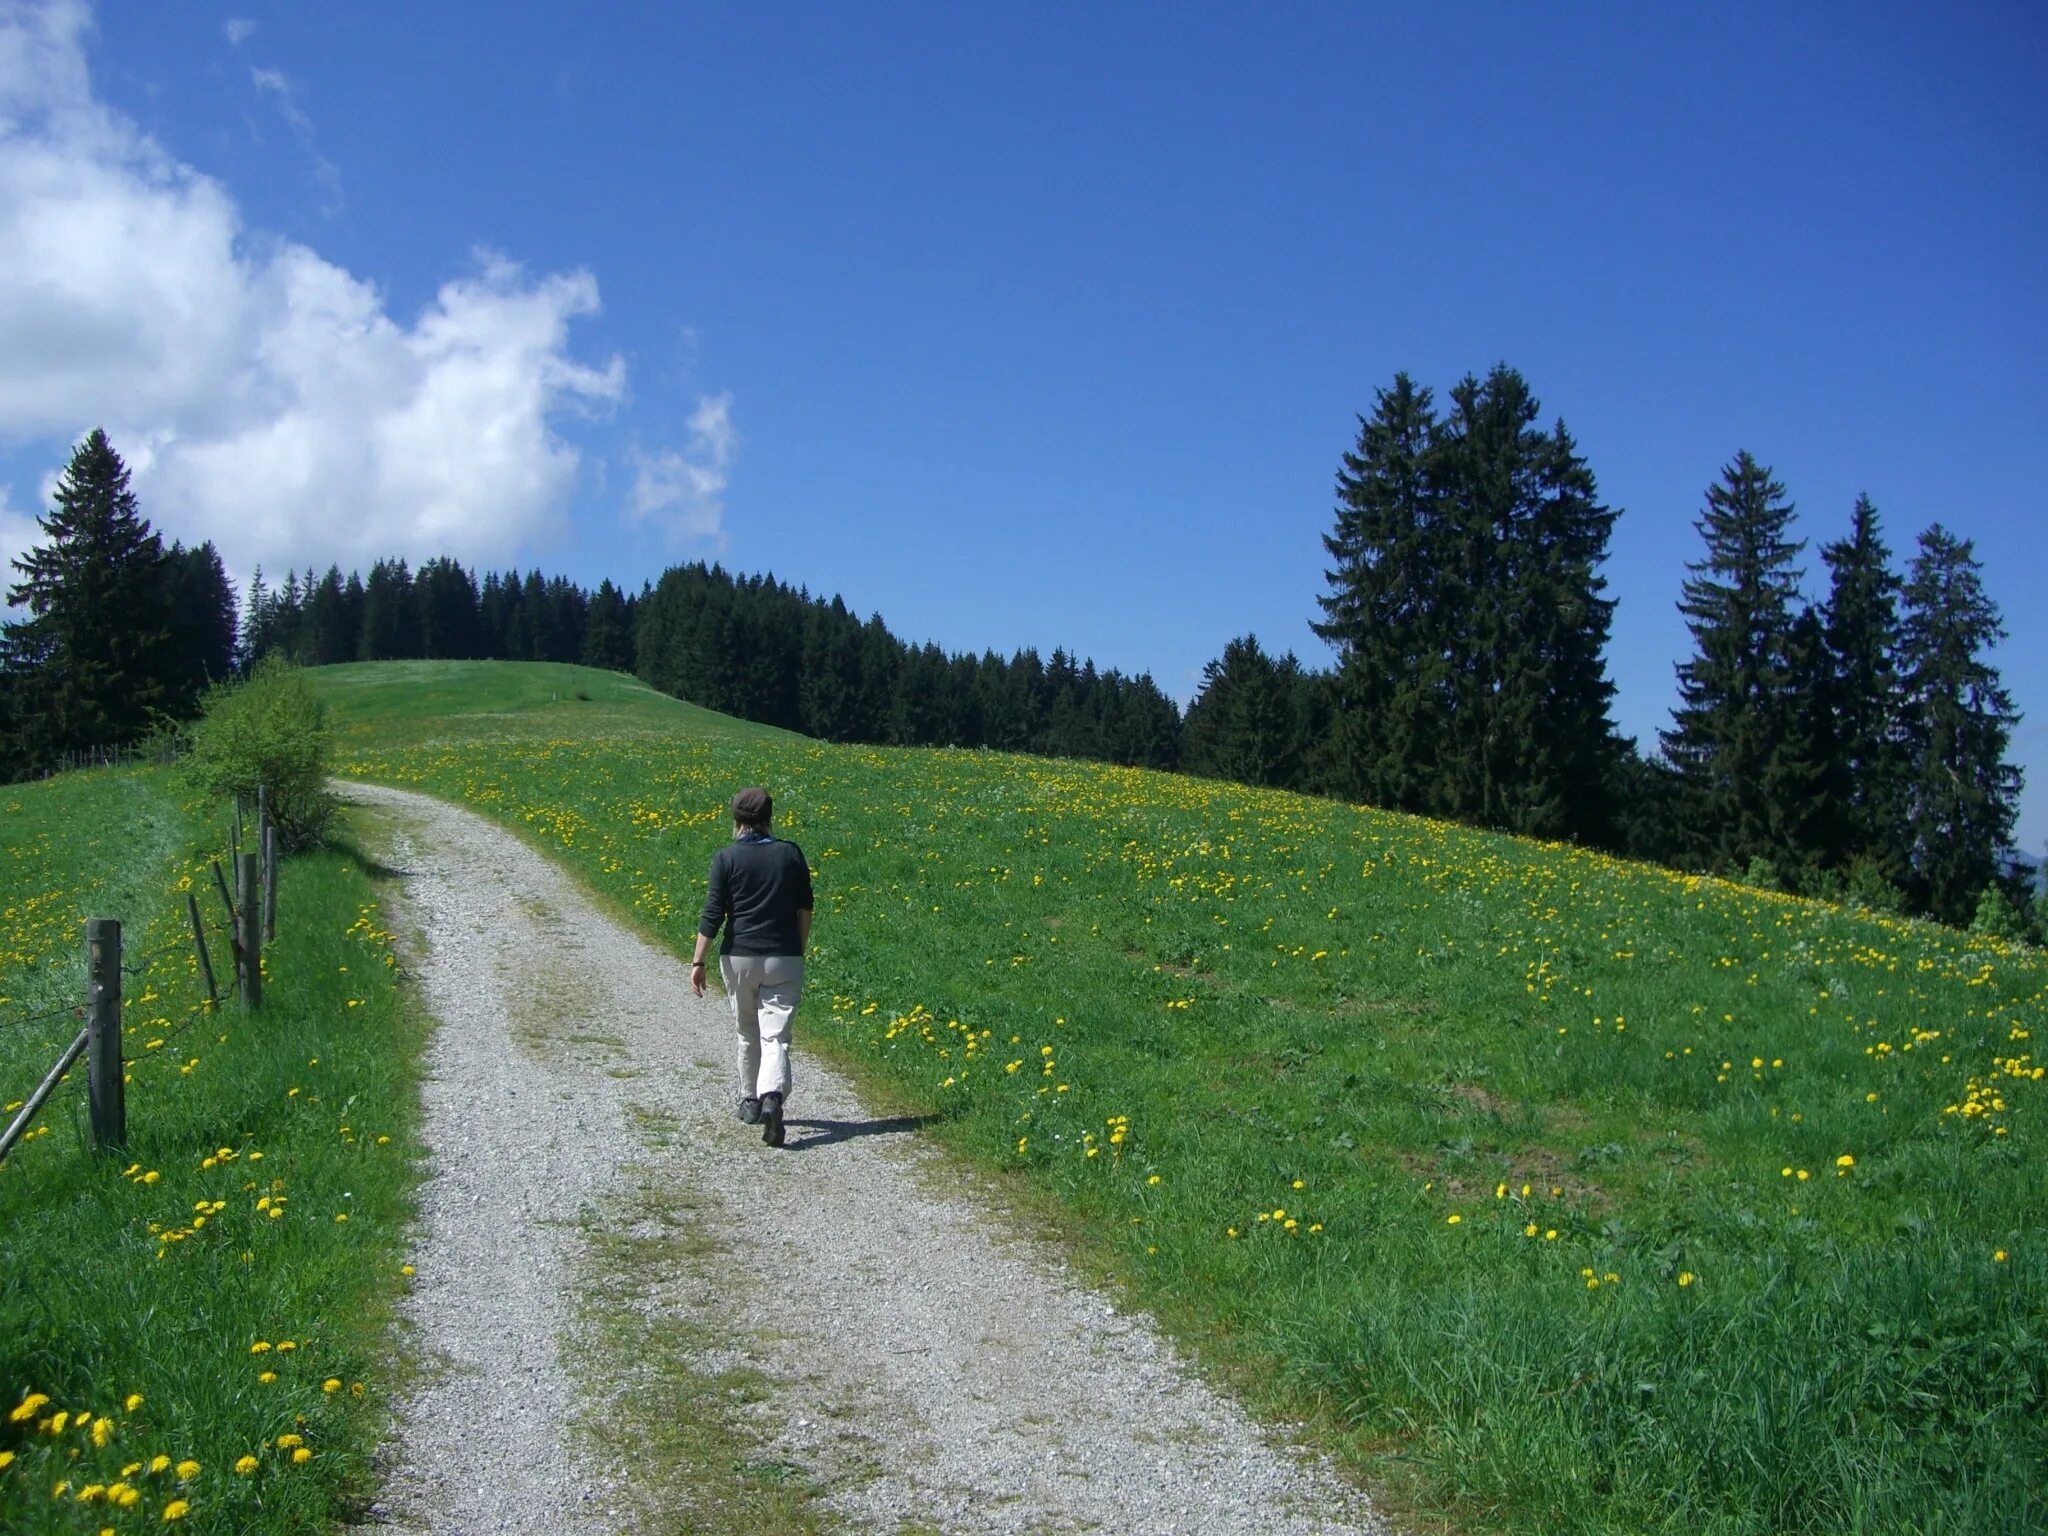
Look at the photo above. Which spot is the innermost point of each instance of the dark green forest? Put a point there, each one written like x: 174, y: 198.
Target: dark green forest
x: 1851, y: 748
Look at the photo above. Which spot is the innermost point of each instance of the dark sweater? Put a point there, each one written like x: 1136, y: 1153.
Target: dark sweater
x: 760, y: 884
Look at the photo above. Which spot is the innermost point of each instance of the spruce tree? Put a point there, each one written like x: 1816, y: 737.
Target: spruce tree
x: 1963, y: 795
x: 1242, y: 724
x: 201, y: 604
x: 1862, y: 624
x: 92, y: 661
x: 1469, y: 616
x: 1732, y: 718
x: 1805, y: 786
x: 1380, y: 613
x: 608, y: 639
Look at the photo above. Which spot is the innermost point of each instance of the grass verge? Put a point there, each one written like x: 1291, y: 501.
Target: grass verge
x: 196, y: 1330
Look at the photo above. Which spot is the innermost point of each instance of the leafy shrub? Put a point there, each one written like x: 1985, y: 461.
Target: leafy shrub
x: 270, y: 733
x: 1868, y: 887
x: 1998, y: 918
x: 1762, y: 874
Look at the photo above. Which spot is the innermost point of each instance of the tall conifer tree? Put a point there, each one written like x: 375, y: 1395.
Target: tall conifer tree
x: 92, y: 661
x: 1735, y: 692
x: 1964, y: 795
x: 1380, y: 611
x: 1862, y: 621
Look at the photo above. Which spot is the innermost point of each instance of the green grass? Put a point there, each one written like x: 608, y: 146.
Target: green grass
x: 463, y: 700
x: 1485, y: 1156
x: 137, y: 1286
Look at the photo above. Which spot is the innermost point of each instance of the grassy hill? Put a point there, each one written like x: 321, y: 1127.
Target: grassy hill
x: 1564, y: 1194
x: 391, y: 701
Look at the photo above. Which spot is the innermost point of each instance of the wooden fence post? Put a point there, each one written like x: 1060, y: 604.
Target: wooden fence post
x: 103, y: 1029
x: 261, y: 844
x: 199, y: 941
x: 251, y: 924
x: 269, y: 883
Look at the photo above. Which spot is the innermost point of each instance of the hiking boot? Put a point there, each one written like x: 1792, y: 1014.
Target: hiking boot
x: 750, y: 1111
x: 771, y: 1119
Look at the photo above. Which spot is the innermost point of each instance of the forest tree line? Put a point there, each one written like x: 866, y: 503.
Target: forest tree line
x: 1851, y: 747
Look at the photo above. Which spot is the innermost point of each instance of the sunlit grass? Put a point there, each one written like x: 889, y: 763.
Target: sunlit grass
x: 191, y: 1329
x: 1569, y: 1194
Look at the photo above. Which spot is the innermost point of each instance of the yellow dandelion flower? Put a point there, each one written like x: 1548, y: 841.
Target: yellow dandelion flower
x: 28, y: 1407
x: 245, y: 1465
x: 1685, y: 1277
x: 176, y: 1509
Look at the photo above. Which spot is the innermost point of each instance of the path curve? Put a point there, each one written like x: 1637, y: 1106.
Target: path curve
x: 927, y: 1366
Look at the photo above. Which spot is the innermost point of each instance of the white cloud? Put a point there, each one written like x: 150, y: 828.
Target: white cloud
x: 263, y: 396
x: 238, y: 29
x: 683, y: 492
x: 274, y: 84
x: 18, y: 533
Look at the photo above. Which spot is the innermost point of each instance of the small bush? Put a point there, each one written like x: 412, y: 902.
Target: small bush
x: 1762, y: 874
x: 1869, y: 888
x: 1998, y: 918
x: 270, y: 733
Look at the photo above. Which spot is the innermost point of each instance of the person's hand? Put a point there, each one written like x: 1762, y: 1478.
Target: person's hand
x: 697, y: 977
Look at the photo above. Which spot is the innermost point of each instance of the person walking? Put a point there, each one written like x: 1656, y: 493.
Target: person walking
x: 760, y: 894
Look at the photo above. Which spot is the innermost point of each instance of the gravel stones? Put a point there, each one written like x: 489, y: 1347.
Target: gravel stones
x: 928, y: 1365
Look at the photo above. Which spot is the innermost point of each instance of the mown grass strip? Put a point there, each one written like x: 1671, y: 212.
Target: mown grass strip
x: 195, y: 1330
x: 1569, y: 1195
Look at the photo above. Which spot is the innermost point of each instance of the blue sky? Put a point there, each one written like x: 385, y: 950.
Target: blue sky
x: 1024, y: 324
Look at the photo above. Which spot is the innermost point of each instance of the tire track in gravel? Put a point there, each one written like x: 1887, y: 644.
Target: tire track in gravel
x: 917, y: 1366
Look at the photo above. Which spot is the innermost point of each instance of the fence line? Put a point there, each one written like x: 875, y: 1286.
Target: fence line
x: 161, y: 751
x: 250, y: 922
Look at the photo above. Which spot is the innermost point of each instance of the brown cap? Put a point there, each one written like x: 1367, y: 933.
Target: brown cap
x: 753, y: 807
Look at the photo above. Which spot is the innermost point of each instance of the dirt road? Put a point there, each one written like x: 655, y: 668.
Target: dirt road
x: 635, y: 1316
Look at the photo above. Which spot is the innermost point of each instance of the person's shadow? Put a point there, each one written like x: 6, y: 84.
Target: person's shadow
x: 824, y: 1133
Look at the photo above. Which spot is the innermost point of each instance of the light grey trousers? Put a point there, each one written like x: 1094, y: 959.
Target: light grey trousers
x: 763, y: 990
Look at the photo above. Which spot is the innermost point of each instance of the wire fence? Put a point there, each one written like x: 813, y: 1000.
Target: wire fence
x: 24, y: 1020
x: 160, y: 750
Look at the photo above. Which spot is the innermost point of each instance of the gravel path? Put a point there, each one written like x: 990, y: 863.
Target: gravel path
x: 927, y: 1366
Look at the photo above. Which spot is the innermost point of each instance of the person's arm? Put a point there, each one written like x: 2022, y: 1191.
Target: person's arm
x: 717, y: 902
x: 805, y: 901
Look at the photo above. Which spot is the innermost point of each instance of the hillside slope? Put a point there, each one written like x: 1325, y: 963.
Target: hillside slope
x: 1571, y: 1194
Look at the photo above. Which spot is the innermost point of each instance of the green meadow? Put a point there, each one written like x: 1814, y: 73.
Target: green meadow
x: 1552, y: 1193
x: 192, y: 1327
x: 1555, y: 1193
